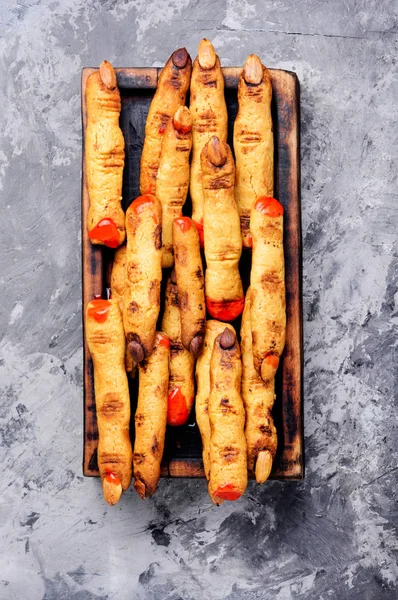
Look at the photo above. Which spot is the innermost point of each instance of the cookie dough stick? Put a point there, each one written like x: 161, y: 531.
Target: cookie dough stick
x: 118, y: 275
x: 209, y: 114
x: 173, y: 176
x: 143, y: 275
x: 181, y: 382
x: 104, y: 158
x: 118, y: 279
x: 253, y: 141
x: 228, y: 458
x: 223, y: 242
x: 213, y: 329
x: 150, y: 417
x: 258, y: 398
x: 267, y: 281
x: 171, y: 91
x: 106, y: 342
x: 190, y: 284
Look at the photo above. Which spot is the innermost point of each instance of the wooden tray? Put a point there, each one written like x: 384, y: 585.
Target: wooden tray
x: 182, y: 456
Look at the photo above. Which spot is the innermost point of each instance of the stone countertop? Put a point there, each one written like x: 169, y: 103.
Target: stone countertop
x: 333, y: 535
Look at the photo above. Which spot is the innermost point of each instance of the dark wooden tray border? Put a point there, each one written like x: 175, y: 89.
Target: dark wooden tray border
x: 290, y: 465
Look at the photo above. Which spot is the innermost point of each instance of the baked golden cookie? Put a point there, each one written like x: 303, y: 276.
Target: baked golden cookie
x: 190, y: 284
x: 171, y: 91
x: 172, y: 181
x: 150, y: 417
x: 143, y: 275
x: 118, y: 279
x: 253, y: 141
x: 213, y: 329
x: 181, y: 381
x: 258, y: 398
x: 118, y: 275
x: 106, y: 342
x: 209, y: 115
x: 267, y: 281
x: 104, y: 158
x: 223, y: 241
x: 228, y: 458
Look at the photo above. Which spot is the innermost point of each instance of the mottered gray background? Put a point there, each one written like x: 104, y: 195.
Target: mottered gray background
x: 334, y: 535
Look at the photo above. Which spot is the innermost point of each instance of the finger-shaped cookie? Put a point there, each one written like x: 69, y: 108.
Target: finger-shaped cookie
x: 253, y: 141
x: 104, y: 158
x: 258, y: 398
x: 209, y: 115
x: 171, y: 91
x: 118, y: 279
x: 106, y: 342
x: 190, y: 284
x: 173, y: 176
x: 150, y: 417
x: 143, y: 275
x: 267, y: 282
x: 181, y: 381
x: 223, y: 241
x: 213, y: 329
x: 228, y: 457
x: 118, y: 276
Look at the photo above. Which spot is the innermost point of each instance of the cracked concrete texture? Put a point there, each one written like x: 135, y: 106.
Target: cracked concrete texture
x: 334, y: 535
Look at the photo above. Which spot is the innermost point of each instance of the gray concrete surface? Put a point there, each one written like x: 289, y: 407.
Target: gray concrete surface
x: 334, y: 535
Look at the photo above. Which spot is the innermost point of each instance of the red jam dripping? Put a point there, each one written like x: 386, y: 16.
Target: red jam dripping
x: 269, y: 206
x: 227, y: 492
x: 162, y: 128
x: 163, y: 340
x: 225, y: 310
x: 199, y: 227
x: 112, y: 478
x: 142, y: 202
x: 184, y: 223
x: 98, y: 310
x: 107, y: 232
x: 249, y: 241
x: 177, y: 412
x: 272, y: 360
